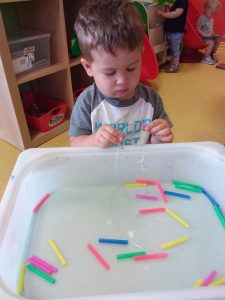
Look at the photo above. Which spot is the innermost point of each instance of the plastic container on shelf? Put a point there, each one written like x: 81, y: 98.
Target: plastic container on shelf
x: 88, y: 200
x: 43, y: 113
x: 29, y: 50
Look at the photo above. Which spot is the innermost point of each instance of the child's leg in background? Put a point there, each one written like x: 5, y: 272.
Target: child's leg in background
x: 174, y: 39
x: 210, y: 46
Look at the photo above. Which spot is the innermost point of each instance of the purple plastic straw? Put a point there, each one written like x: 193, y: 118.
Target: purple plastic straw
x: 147, y: 197
x: 209, y: 279
x: 43, y: 263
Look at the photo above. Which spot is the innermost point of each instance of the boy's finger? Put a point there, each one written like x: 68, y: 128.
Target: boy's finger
x: 164, y: 132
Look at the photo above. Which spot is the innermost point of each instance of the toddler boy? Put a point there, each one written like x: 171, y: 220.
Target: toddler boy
x: 116, y: 109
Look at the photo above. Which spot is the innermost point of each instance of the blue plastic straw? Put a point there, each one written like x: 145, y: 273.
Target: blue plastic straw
x: 113, y: 241
x: 210, y: 198
x: 177, y: 194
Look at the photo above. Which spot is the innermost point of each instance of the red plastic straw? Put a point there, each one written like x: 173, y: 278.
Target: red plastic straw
x: 151, y: 210
x: 98, y: 256
x: 36, y: 209
x: 151, y: 256
x: 154, y: 182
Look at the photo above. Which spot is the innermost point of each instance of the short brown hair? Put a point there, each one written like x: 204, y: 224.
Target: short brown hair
x: 107, y: 25
x: 214, y: 4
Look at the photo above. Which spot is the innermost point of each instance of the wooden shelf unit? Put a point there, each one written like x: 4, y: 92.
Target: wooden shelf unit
x: 57, y: 80
x: 156, y: 32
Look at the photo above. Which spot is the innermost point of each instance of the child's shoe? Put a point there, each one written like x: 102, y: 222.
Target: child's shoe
x: 171, y: 68
x: 214, y: 57
x: 208, y: 60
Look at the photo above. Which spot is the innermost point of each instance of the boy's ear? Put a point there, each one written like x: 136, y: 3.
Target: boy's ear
x: 87, y: 66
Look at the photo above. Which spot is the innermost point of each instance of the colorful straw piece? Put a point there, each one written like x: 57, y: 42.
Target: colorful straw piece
x: 57, y: 252
x: 40, y: 273
x: 198, y: 283
x: 130, y: 185
x: 152, y: 210
x: 130, y: 255
x: 174, y: 243
x: 21, y: 279
x: 157, y: 183
x: 210, y: 198
x: 209, y: 278
x: 36, y: 209
x: 176, y: 182
x: 42, y: 265
x: 98, y: 256
x: 113, y: 241
x: 188, y: 188
x: 146, y: 197
x: 184, y: 196
x: 219, y: 215
x: 176, y: 217
x: 218, y: 282
x: 151, y: 256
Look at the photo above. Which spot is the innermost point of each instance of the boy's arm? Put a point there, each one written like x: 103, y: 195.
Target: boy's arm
x: 171, y: 14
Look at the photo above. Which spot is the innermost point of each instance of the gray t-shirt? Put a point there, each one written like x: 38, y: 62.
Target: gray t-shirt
x: 93, y: 109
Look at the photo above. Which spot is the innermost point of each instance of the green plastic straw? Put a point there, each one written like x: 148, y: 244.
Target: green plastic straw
x: 186, y: 184
x: 188, y: 188
x: 130, y: 255
x: 219, y: 215
x: 40, y: 273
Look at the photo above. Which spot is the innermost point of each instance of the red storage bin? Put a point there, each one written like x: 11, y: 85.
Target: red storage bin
x: 43, y: 113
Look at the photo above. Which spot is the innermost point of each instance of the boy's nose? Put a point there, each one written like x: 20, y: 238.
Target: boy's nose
x: 121, y: 79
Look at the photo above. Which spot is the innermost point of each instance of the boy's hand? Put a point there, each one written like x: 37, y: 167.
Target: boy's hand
x: 160, y: 131
x: 106, y: 136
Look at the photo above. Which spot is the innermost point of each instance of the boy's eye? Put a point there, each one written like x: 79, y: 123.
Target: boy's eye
x: 110, y: 73
x: 131, y: 69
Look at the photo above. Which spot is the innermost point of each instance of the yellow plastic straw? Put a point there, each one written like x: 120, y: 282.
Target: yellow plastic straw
x: 175, y: 216
x: 198, y: 283
x: 126, y: 185
x: 218, y: 282
x: 21, y: 279
x: 174, y: 243
x: 57, y: 252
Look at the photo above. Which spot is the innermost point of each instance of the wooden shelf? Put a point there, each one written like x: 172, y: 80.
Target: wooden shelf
x: 74, y: 62
x: 57, y: 80
x: 38, y: 138
x: 29, y: 76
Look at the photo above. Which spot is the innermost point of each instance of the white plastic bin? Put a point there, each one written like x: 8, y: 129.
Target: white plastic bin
x: 30, y: 50
x: 88, y: 201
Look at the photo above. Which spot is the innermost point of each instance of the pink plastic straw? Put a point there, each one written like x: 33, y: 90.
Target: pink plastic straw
x: 43, y: 263
x: 154, y: 182
x: 209, y: 279
x: 151, y: 210
x: 36, y: 209
x: 147, y: 197
x: 40, y: 266
x: 151, y: 256
x: 98, y: 256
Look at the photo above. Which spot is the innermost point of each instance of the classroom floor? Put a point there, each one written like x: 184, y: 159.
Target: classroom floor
x: 194, y: 98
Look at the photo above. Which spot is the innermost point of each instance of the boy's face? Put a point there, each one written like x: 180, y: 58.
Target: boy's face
x: 210, y: 12
x: 115, y: 76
